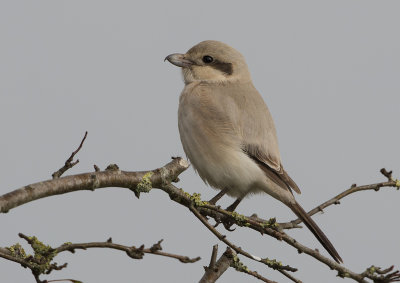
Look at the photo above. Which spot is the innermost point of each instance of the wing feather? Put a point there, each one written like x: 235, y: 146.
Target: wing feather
x: 279, y: 177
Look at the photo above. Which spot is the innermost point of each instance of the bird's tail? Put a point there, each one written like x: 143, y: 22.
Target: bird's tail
x: 307, y: 220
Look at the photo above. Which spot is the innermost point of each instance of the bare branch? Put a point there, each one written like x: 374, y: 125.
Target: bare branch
x: 239, y: 266
x: 131, y: 251
x: 382, y: 276
x: 270, y: 263
x: 336, y: 199
x: 213, y: 257
x: 41, y: 261
x: 6, y: 254
x: 62, y: 280
x: 228, y: 259
x: 217, y: 268
x: 135, y: 181
x: 161, y: 178
x: 387, y: 174
x: 290, y: 276
x: 69, y: 163
x: 202, y: 209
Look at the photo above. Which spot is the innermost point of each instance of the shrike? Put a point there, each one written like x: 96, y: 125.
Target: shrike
x: 228, y: 133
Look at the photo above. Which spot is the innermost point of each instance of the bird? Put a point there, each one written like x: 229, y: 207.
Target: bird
x: 228, y: 133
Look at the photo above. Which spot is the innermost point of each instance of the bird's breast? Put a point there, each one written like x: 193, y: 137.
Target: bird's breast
x: 212, y: 144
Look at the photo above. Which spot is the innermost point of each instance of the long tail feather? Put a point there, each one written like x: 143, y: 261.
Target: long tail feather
x: 299, y: 211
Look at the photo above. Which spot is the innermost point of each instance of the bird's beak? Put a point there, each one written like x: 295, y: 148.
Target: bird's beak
x: 179, y: 60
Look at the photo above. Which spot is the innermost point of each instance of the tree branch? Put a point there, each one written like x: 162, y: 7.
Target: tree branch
x: 336, y: 199
x: 111, y: 177
x: 217, y: 268
x: 228, y: 259
x: 131, y: 251
x: 41, y: 262
x: 203, y: 209
x: 161, y: 178
x: 270, y: 263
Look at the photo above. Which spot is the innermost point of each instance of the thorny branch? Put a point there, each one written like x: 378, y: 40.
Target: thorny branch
x: 161, y: 178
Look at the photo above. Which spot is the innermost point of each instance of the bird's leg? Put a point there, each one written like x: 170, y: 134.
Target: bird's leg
x: 233, y: 206
x: 214, y: 200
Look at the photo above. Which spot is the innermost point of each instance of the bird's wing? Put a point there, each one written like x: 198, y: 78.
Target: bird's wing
x: 280, y: 176
x: 259, y: 139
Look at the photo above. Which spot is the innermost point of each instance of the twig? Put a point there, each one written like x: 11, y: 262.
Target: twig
x: 387, y: 174
x: 382, y: 276
x: 69, y: 163
x: 4, y: 253
x: 259, y: 276
x: 240, y: 267
x: 131, y: 251
x: 217, y: 268
x: 63, y: 280
x: 213, y: 259
x: 336, y: 199
x: 290, y: 276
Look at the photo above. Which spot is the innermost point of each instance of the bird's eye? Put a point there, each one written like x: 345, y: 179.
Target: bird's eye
x: 208, y: 59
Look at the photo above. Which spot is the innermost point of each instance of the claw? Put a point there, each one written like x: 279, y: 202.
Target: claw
x: 228, y: 227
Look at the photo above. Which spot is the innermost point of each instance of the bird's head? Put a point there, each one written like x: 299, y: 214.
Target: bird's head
x: 211, y: 61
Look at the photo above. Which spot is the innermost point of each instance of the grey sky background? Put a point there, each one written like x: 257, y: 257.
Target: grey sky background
x: 328, y: 70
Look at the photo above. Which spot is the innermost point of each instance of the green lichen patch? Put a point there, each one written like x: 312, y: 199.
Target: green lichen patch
x: 43, y: 255
x: 270, y: 223
x: 112, y: 167
x: 273, y: 263
x: 371, y: 270
x: 40, y: 261
x: 145, y: 184
x: 240, y: 219
x: 398, y: 183
x: 17, y: 251
x: 185, y: 193
x: 342, y: 274
x: 238, y: 265
x: 196, y: 199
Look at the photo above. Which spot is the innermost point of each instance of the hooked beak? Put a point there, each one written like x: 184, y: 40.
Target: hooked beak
x: 179, y: 60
